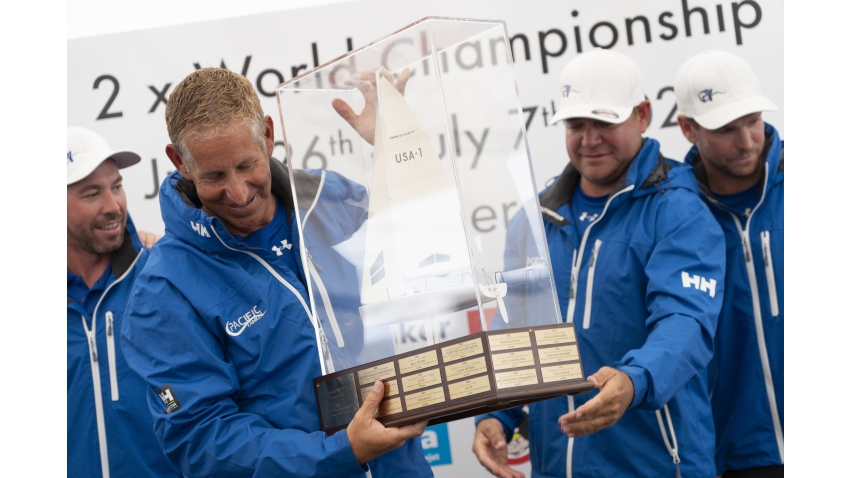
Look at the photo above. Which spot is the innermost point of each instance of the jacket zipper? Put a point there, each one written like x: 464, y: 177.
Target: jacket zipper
x: 571, y: 406
x: 754, y: 293
x: 672, y: 449
x: 321, y: 339
x: 577, y: 260
x: 110, y: 353
x: 590, y: 273
x: 768, y: 270
x: 98, y: 400
x: 323, y: 292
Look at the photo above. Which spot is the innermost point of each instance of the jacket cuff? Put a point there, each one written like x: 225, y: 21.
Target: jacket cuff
x: 349, y: 464
x: 640, y: 382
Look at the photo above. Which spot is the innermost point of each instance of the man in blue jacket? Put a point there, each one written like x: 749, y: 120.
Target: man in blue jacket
x: 109, y: 430
x: 639, y: 265
x: 738, y: 160
x: 219, y: 324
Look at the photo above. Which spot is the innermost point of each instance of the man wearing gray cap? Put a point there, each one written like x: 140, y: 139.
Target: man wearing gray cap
x: 638, y: 263
x: 110, y: 431
x: 738, y: 160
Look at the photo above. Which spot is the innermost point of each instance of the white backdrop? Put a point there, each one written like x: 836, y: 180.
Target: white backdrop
x: 117, y: 84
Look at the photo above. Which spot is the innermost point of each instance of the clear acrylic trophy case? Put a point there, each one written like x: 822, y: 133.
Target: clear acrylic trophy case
x: 408, y: 160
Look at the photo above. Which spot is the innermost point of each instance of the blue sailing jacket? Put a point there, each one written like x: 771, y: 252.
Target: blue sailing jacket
x: 747, y: 372
x: 110, y: 432
x: 222, y: 333
x: 643, y: 285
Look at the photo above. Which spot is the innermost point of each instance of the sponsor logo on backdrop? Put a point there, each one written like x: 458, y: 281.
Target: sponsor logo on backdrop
x: 435, y: 443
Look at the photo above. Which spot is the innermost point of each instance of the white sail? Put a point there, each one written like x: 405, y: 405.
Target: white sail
x: 414, y: 238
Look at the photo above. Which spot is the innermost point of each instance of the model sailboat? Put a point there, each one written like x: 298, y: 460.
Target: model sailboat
x: 416, y: 259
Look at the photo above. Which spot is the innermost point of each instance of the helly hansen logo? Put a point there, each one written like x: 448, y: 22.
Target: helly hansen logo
x: 200, y: 229
x: 166, y: 394
x: 699, y: 283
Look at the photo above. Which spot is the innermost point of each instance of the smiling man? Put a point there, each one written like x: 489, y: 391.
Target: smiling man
x: 219, y: 324
x: 109, y: 431
x: 638, y: 263
x: 739, y: 162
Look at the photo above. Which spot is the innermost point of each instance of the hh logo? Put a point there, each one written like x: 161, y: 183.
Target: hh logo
x: 166, y: 394
x: 200, y: 229
x: 699, y: 283
x: 283, y: 245
x: 587, y: 217
x: 248, y: 319
x: 707, y: 95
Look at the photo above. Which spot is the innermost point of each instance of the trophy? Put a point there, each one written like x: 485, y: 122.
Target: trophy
x: 420, y: 229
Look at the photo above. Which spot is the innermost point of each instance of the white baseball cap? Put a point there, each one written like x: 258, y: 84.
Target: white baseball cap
x: 716, y: 87
x: 86, y: 150
x: 601, y: 84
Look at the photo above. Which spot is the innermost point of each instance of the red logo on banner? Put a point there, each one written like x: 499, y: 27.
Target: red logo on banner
x: 475, y: 321
x: 518, y: 448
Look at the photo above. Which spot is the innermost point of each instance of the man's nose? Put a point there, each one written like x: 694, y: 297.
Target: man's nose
x: 109, y: 204
x: 237, y: 191
x: 590, y: 137
x: 745, y: 140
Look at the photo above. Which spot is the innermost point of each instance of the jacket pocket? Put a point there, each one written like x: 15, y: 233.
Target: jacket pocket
x: 591, y: 270
x: 768, y: 270
x: 110, y: 354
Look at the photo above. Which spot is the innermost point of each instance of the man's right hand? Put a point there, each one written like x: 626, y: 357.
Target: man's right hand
x: 369, y: 438
x: 491, y: 449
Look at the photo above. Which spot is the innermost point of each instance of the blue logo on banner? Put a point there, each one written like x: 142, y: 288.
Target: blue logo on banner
x: 435, y: 442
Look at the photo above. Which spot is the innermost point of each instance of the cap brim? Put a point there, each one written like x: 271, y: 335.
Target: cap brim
x: 724, y: 115
x: 606, y: 113
x: 122, y: 158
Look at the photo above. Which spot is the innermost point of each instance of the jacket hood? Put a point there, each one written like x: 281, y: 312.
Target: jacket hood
x: 186, y: 221
x: 775, y: 159
x: 649, y: 172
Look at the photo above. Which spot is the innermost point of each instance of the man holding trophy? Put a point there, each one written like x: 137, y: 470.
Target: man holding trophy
x: 639, y: 266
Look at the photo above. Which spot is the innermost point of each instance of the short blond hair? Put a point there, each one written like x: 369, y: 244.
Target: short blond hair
x: 209, y: 102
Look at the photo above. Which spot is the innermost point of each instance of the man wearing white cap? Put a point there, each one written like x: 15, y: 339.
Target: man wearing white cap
x: 738, y: 161
x: 110, y: 431
x: 639, y: 265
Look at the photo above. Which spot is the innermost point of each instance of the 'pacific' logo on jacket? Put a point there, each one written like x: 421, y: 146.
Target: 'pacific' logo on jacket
x: 248, y: 319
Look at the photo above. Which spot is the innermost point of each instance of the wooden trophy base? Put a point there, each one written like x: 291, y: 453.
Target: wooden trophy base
x: 476, y: 374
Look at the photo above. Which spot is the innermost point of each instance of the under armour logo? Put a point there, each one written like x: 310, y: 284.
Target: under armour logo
x: 70, y: 157
x: 586, y: 217
x: 707, y: 95
x: 283, y: 245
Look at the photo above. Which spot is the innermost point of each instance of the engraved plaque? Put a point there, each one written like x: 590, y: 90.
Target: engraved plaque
x: 388, y: 407
x: 469, y: 387
x: 425, y: 398
x: 421, y: 380
x: 563, y: 335
x: 337, y: 400
x: 390, y: 389
x: 563, y: 353
x: 417, y: 362
x: 512, y: 359
x: 557, y: 373
x: 516, y: 378
x: 462, y: 350
x: 371, y: 374
x: 466, y: 368
x: 516, y: 340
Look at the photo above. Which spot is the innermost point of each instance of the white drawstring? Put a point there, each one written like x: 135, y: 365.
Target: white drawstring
x: 673, y: 449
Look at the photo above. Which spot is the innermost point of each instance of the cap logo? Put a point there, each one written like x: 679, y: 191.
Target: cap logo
x: 608, y: 113
x: 70, y: 157
x: 707, y: 94
x: 567, y: 89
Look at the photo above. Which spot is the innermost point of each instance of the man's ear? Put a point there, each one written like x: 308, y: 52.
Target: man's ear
x: 644, y: 111
x: 177, y: 161
x: 269, y: 135
x: 687, y: 129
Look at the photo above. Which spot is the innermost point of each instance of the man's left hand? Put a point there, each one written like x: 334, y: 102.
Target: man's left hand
x: 616, y: 392
x: 148, y: 238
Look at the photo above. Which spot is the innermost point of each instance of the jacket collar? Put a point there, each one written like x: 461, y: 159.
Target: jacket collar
x: 648, y: 168
x: 124, y: 257
x: 184, y: 218
x: 775, y: 158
